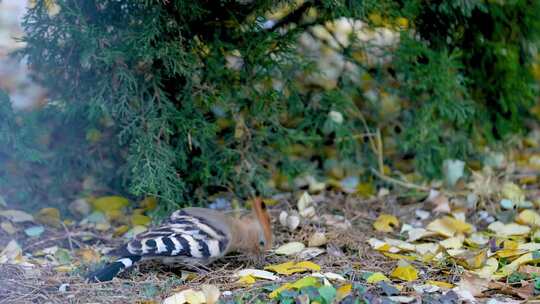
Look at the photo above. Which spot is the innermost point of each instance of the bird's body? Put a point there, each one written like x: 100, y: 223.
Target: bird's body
x: 194, y: 236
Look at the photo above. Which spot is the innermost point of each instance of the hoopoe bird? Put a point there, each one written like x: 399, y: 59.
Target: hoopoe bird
x: 195, y: 236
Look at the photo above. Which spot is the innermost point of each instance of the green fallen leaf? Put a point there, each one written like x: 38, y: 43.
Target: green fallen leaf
x: 328, y: 293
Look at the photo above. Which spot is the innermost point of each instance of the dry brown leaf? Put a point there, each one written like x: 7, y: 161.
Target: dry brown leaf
x: 473, y: 284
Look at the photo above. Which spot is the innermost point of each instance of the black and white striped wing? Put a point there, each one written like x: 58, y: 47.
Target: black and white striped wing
x: 184, y: 235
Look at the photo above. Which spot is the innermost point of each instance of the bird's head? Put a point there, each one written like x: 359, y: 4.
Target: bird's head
x: 265, y: 227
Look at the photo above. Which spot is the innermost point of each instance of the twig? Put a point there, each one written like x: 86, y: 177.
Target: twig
x: 69, y: 237
x: 398, y: 182
x: 380, y: 151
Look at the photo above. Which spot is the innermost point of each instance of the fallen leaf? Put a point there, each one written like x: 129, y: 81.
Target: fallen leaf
x: 17, y: 216
x: 257, y: 273
x: 290, y: 248
x: 513, y: 192
x: 289, y: 268
x: 427, y: 248
x: 120, y: 230
x: 80, y: 207
x: 49, y: 217
x: 139, y: 219
x: 10, y: 253
x: 528, y: 217
x: 510, y: 229
x: 386, y: 223
x: 246, y: 280
x: 106, y: 204
x: 328, y: 293
x: 524, y: 259
x: 400, y: 244
x: 148, y: 203
x: 382, y: 246
x: 419, y: 233
x: 453, y: 242
x: 188, y: 296
x: 8, y: 228
x: 317, y: 239
x: 440, y: 284
x: 343, y: 291
x: 405, y: 272
x: 310, y: 253
x: 304, y: 202
x: 473, y: 284
x: 487, y: 271
x: 211, y: 293
x: 34, y: 231
x: 134, y: 231
x: 299, y: 284
x: 441, y: 202
x: 472, y: 259
x: 449, y: 226
x: 333, y: 276
x: 376, y: 277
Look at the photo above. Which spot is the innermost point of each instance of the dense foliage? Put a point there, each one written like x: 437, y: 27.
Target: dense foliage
x: 180, y: 99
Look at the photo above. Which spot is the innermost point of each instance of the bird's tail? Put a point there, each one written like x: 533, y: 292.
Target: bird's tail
x: 113, y: 269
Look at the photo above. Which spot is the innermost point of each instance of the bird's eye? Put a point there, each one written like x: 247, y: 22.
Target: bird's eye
x: 261, y: 243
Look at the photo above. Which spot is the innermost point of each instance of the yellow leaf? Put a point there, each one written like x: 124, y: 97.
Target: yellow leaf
x: 380, y: 245
x: 513, y: 192
x: 386, y: 223
x: 506, y: 253
x: 289, y: 268
x: 49, y: 216
x: 106, y: 204
x: 120, y: 230
x: 343, y: 291
x: 528, y: 217
x: 148, y: 203
x: 139, y: 219
x: 188, y: 296
x: 402, y: 22
x: 376, y: 277
x: 396, y: 256
x: 489, y: 269
x: 449, y: 226
x: 405, y: 272
x: 365, y: 189
x: 511, y: 229
x: 509, y: 244
x: 278, y: 290
x: 308, y: 265
x: 303, y: 282
x: 246, y: 280
x: 440, y: 284
x: 453, y: 242
x: 524, y: 259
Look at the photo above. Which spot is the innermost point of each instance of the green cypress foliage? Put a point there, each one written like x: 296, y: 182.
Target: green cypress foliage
x: 178, y: 99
